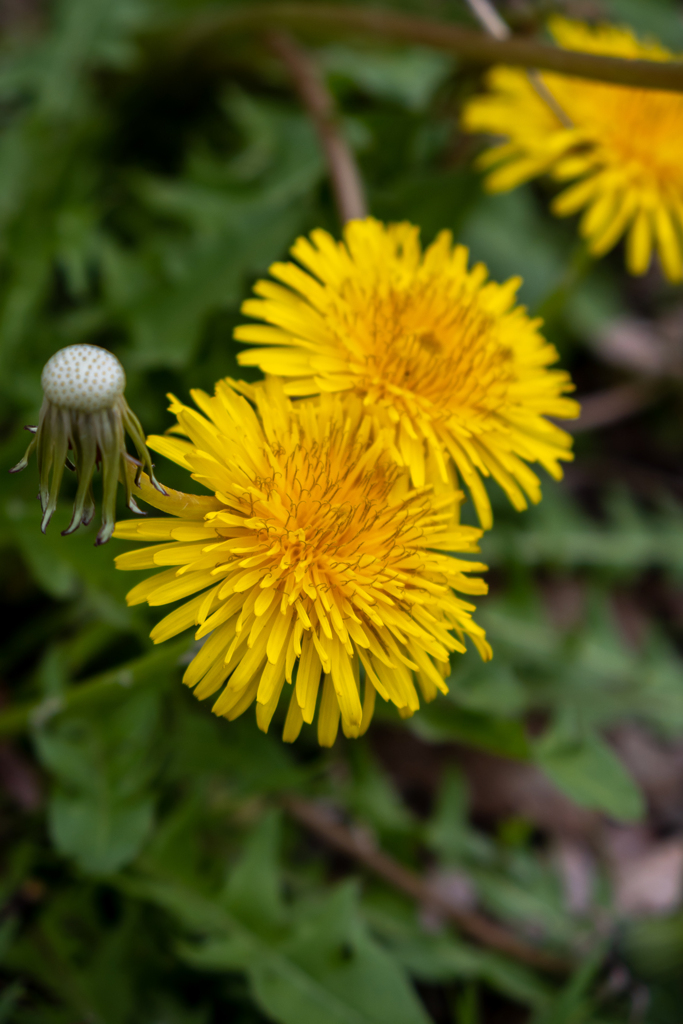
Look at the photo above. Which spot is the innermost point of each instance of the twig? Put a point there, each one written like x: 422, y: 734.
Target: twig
x: 463, y: 42
x: 604, y: 408
x: 317, y: 99
x: 489, y: 18
x: 491, y: 21
x: 357, y: 845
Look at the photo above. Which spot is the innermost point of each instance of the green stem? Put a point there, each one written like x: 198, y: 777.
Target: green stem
x: 455, y: 39
x: 148, y: 667
x: 553, y: 305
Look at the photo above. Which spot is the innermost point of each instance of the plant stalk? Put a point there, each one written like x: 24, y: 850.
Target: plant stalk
x: 458, y: 40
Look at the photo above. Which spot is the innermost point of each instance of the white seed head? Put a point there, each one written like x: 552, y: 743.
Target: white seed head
x: 84, y: 378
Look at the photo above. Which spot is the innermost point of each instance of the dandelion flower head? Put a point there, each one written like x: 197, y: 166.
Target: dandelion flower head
x: 314, y: 566
x: 622, y: 147
x: 445, y: 359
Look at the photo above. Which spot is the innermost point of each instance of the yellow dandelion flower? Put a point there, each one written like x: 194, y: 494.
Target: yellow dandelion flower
x: 624, y: 145
x: 445, y: 359
x: 316, y: 559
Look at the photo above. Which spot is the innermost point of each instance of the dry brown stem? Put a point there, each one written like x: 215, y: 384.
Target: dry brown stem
x: 317, y: 100
x: 612, y: 405
x: 358, y: 845
x: 463, y: 42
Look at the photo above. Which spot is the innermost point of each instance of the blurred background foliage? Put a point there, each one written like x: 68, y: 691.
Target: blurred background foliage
x: 152, y: 866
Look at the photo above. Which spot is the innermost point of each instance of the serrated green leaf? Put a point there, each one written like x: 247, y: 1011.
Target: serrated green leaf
x: 409, y: 76
x: 439, y: 958
x: 443, y: 720
x: 252, y: 893
x: 320, y: 965
x: 559, y: 534
x: 448, y: 832
x: 101, y: 834
x: 372, y: 797
x: 357, y: 981
x: 591, y: 775
x: 100, y: 811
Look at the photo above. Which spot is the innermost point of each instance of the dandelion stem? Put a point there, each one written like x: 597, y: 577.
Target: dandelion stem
x: 150, y: 667
x: 356, y: 844
x: 455, y: 39
x: 310, y: 85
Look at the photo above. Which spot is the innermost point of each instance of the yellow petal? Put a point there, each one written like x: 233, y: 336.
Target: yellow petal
x: 328, y: 715
x: 668, y: 245
x: 639, y: 243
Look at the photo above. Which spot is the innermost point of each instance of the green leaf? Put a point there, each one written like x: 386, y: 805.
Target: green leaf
x: 655, y: 946
x: 584, y: 670
x: 357, y: 981
x: 252, y: 892
x: 100, y: 811
x: 372, y: 797
x: 490, y: 688
x: 658, y: 19
x: 442, y: 957
x: 87, y: 32
x: 443, y: 720
x: 305, y: 966
x: 408, y: 76
x: 589, y: 773
x: 558, y: 533
x: 50, y: 566
x: 573, y: 1005
x: 449, y: 831
x: 66, y: 567
x: 100, y: 833
x: 9, y: 999
x: 229, y: 229
x: 493, y: 231
x: 528, y: 899
x: 329, y: 969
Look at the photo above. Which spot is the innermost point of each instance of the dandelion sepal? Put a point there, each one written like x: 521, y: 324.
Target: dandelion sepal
x: 84, y: 412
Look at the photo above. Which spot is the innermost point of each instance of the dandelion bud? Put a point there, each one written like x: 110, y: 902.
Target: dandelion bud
x: 84, y: 410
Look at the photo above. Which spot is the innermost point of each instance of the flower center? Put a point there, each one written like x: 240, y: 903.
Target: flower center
x: 430, y: 340
x: 642, y: 128
x: 323, y: 517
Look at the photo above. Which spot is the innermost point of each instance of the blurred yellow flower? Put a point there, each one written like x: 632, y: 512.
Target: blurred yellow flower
x: 624, y: 145
x: 315, y: 558
x: 445, y: 360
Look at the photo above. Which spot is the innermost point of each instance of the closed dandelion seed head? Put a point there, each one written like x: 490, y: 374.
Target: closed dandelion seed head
x: 83, y: 422
x: 83, y: 378
x: 444, y: 359
x: 315, y: 568
x: 622, y: 149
